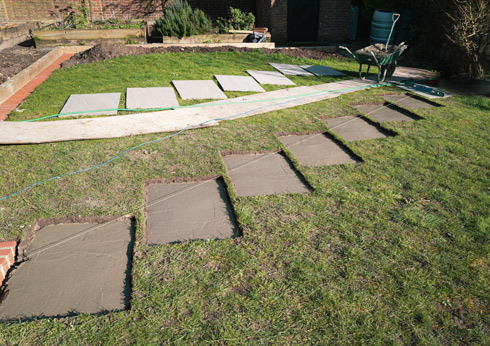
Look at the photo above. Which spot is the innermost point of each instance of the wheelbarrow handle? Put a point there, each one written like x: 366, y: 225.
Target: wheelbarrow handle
x: 348, y: 51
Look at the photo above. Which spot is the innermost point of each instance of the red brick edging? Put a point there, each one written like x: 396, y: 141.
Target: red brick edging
x: 16, y: 99
x: 7, y: 258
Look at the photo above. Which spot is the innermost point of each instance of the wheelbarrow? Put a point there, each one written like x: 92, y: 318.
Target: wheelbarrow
x: 383, y: 56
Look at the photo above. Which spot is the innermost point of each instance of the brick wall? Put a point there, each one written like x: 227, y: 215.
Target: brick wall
x: 334, y: 20
x: 104, y: 9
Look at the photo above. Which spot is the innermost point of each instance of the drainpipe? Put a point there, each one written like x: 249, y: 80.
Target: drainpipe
x: 91, y: 15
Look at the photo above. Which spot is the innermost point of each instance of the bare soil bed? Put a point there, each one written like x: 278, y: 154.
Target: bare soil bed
x: 15, y: 59
x: 105, y: 51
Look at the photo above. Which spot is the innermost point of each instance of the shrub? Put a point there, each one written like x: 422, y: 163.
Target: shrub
x: 180, y: 20
x: 236, y: 19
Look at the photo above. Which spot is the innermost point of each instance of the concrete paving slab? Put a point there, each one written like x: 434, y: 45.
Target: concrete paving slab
x: 270, y: 77
x: 353, y: 128
x: 198, y: 89
x: 409, y: 101
x: 238, y: 83
x: 189, y: 211
x: 72, y: 269
x: 81, y: 103
x: 384, y: 113
x: 154, y: 97
x: 317, y: 150
x: 265, y: 174
x: 292, y: 70
x: 321, y: 70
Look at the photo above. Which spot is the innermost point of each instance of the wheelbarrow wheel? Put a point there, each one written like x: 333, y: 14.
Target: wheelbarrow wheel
x: 390, y: 70
x: 386, y: 71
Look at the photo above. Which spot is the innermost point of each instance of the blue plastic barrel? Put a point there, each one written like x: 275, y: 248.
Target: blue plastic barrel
x: 381, y: 27
x: 403, y: 27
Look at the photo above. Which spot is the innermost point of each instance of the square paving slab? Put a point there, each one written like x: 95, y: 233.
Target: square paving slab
x: 293, y: 70
x: 409, y: 101
x: 238, y: 83
x: 151, y: 98
x: 198, y: 89
x: 384, y: 113
x: 72, y: 269
x: 270, y: 77
x: 81, y: 103
x: 353, y: 128
x: 189, y: 211
x: 317, y: 150
x: 266, y: 174
x: 320, y: 70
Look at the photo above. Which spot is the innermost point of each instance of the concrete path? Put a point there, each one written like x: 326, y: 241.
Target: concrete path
x: 171, y: 120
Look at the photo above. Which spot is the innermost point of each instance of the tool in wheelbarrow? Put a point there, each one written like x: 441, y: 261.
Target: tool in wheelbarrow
x: 384, y: 56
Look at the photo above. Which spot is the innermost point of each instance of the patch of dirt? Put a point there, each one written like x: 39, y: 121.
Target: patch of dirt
x: 105, y: 51
x: 15, y: 59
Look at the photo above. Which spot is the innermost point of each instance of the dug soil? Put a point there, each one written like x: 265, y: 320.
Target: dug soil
x: 15, y: 59
x: 105, y: 51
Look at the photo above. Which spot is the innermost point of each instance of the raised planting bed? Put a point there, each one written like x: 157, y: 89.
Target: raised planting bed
x: 210, y: 38
x: 47, y: 38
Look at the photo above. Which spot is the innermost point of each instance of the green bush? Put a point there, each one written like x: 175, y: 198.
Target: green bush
x: 236, y: 20
x: 180, y: 20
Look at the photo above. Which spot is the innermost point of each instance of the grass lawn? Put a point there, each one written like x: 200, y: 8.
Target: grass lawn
x: 393, y: 250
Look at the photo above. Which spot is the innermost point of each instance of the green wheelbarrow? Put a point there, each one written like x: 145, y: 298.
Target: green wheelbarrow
x: 383, y: 56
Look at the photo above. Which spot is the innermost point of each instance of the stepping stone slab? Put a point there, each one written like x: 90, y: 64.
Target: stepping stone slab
x: 293, y: 70
x: 266, y: 174
x: 409, y: 101
x: 239, y: 83
x: 151, y: 98
x: 270, y: 77
x: 317, y: 150
x: 189, y: 211
x: 353, y: 128
x: 320, y: 70
x: 74, y: 269
x: 383, y: 113
x: 81, y: 103
x: 198, y: 89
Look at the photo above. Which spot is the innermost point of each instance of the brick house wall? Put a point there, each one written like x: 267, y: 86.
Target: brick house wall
x: 333, y: 19
x: 333, y: 14
x: 104, y: 9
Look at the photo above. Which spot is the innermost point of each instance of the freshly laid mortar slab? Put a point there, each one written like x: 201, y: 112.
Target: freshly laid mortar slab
x: 198, y: 89
x: 189, y: 211
x: 353, y: 128
x: 317, y: 150
x: 384, y: 113
x: 72, y: 269
x: 270, y: 77
x: 238, y: 83
x: 264, y: 174
x: 82, y: 103
x: 292, y: 70
x: 155, y: 97
x: 408, y: 101
x: 321, y: 70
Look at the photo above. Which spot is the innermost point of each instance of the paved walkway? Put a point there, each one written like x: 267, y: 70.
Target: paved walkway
x: 172, y: 120
x: 15, y: 100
